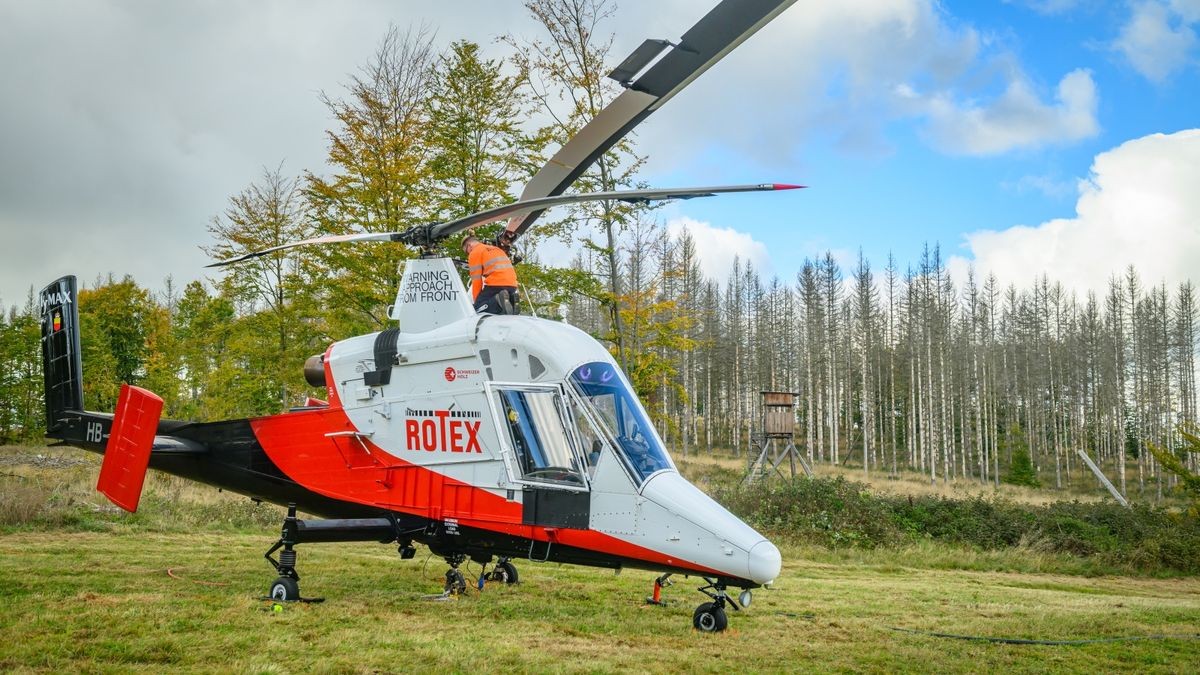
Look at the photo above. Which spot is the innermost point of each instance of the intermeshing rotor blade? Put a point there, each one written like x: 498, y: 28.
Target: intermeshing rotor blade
x: 442, y: 230
x: 328, y: 239
x: 427, y: 235
x: 714, y: 36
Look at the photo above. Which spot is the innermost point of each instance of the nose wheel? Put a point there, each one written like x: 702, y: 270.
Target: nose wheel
x: 710, y: 617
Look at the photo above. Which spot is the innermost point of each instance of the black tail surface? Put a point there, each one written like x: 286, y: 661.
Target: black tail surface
x: 62, y: 366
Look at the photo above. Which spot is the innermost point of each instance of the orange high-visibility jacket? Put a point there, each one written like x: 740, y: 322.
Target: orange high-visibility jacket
x: 490, y: 265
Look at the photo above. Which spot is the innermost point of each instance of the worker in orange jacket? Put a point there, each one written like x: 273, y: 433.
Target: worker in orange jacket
x: 493, y: 278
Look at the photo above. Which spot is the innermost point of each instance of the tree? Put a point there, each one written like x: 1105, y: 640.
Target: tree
x: 568, y: 70
x: 1021, y: 471
x: 477, y: 146
x: 1177, y: 462
x: 22, y: 413
x: 114, y: 319
x: 379, y: 153
x: 276, y: 289
x: 202, y: 325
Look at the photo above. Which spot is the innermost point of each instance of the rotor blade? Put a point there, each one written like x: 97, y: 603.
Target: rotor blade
x: 328, y: 239
x: 442, y: 230
x: 714, y: 36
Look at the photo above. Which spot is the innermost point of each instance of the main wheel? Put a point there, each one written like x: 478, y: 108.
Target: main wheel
x: 285, y: 589
x: 506, y: 572
x: 709, y: 618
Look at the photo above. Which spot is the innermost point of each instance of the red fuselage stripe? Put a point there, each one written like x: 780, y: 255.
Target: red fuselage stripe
x: 320, y: 450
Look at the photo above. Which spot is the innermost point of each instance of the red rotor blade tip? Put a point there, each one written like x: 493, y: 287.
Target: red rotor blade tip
x: 786, y: 186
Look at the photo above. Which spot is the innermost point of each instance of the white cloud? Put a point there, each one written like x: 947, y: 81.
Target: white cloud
x: 717, y: 247
x: 1139, y: 207
x: 1018, y: 119
x: 819, y: 68
x: 1158, y: 39
x: 1050, y: 7
x: 834, y: 70
x: 1049, y: 185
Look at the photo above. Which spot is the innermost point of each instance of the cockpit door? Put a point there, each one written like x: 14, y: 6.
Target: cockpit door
x: 544, y: 455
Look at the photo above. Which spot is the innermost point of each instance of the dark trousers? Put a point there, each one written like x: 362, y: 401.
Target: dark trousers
x: 487, y: 302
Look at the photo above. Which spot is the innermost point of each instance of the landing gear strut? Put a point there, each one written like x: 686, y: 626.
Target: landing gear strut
x: 295, y: 531
x: 456, y: 584
x: 710, y: 617
x: 287, y: 587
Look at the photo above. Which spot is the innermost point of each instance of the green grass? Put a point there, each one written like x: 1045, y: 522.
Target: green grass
x: 85, y: 588
x: 94, y: 601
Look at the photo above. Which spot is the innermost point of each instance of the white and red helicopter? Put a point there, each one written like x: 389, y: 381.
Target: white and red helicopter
x: 483, y: 437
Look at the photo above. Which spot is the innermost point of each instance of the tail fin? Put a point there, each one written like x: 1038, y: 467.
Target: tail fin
x: 62, y: 366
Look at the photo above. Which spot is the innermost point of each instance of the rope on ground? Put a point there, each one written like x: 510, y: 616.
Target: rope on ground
x: 1023, y: 641
x: 171, y: 573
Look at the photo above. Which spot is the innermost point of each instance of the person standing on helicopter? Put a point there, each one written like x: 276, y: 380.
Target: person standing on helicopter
x: 493, y: 278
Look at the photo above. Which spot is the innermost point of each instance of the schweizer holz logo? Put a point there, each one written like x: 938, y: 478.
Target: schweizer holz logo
x: 450, y: 374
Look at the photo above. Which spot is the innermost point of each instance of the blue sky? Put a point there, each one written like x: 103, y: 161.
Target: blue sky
x: 127, y: 124
x: 908, y: 187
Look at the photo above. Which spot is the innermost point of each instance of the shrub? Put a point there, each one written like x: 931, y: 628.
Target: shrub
x: 835, y: 512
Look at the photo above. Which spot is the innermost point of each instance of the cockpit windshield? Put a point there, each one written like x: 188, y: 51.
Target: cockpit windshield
x: 600, y: 385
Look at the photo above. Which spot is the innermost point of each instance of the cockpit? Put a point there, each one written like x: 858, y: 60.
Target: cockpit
x: 607, y: 396
x: 557, y: 437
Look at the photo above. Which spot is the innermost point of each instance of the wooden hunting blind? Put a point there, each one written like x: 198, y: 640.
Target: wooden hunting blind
x: 778, y: 424
x: 779, y: 413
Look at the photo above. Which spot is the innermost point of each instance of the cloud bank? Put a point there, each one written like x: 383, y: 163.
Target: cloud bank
x: 1139, y: 206
x: 1017, y: 119
x: 718, y: 247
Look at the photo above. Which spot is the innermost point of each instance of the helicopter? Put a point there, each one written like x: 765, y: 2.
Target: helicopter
x: 483, y: 437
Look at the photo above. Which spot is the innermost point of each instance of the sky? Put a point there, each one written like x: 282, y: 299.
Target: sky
x: 1022, y: 137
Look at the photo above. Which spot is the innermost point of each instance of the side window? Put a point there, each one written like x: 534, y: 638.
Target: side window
x: 591, y: 438
x: 539, y: 436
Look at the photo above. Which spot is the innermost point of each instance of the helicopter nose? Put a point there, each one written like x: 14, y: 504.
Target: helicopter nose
x: 764, y: 562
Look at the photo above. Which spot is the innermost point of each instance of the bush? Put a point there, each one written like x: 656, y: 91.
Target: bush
x: 834, y: 512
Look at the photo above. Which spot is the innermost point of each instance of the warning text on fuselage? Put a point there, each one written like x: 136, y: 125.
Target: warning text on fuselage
x: 429, y: 286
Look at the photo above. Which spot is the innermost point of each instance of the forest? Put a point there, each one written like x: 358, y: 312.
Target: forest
x: 896, y: 366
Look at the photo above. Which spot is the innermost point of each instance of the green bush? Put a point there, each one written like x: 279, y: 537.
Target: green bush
x: 834, y: 512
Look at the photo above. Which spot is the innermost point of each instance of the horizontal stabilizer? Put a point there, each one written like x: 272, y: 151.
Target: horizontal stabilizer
x: 128, y: 451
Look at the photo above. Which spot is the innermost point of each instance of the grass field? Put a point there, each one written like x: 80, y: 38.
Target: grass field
x: 105, y: 602
x: 93, y: 593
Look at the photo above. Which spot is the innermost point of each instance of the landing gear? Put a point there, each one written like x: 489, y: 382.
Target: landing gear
x: 456, y: 584
x: 710, y: 617
x: 504, y: 572
x: 287, y: 587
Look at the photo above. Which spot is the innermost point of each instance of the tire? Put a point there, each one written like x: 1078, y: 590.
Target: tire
x: 709, y: 618
x: 506, y: 572
x: 285, y: 589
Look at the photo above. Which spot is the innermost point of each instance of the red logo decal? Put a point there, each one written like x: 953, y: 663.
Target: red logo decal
x: 57, y: 322
x: 449, y: 374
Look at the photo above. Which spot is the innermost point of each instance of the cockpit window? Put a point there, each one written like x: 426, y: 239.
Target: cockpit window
x: 539, y: 436
x: 601, y: 386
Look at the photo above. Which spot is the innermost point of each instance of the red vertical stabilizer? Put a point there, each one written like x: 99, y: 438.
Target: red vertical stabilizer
x: 128, y: 451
